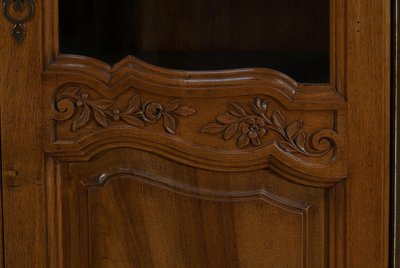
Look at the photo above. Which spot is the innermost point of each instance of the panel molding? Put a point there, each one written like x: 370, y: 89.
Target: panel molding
x: 190, y: 191
x: 57, y: 171
x: 191, y: 84
x: 270, y: 157
x: 197, y: 192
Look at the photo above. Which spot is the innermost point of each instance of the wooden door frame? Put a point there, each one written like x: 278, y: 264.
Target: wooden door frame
x: 395, y: 139
x: 367, y: 91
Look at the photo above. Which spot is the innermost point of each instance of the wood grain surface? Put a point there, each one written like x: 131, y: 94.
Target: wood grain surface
x: 23, y: 180
x: 134, y: 165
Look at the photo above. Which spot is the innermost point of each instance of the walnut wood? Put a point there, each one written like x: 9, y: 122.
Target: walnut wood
x: 66, y: 95
x: 368, y: 178
x: 23, y: 198
x: 134, y: 165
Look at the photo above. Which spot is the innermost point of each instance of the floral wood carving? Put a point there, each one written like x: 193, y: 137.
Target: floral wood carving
x: 250, y: 128
x: 135, y: 114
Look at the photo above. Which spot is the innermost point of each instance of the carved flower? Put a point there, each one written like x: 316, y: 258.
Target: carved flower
x: 250, y: 128
x: 253, y: 130
x: 116, y: 115
x: 152, y: 111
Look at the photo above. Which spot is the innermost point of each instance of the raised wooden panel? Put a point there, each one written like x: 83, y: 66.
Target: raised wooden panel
x: 129, y: 208
x: 139, y: 226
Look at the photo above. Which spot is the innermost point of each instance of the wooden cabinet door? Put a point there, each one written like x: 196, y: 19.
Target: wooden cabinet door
x: 195, y: 134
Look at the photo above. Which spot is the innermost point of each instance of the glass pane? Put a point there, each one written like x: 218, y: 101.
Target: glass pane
x: 291, y: 36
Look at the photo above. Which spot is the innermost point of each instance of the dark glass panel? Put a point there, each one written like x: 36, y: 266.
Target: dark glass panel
x: 291, y: 36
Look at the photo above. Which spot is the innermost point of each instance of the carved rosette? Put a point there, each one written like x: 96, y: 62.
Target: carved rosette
x: 249, y: 129
x: 72, y: 102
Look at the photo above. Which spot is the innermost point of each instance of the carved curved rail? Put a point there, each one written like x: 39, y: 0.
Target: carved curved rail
x: 252, y: 127
x: 270, y: 157
x: 258, y: 120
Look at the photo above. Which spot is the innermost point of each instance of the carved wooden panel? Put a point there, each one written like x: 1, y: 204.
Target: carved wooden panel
x: 134, y: 165
x: 148, y: 166
x: 233, y: 120
x: 158, y: 212
x: 151, y: 166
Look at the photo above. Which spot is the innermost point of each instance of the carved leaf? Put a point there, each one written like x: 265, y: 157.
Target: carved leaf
x: 259, y: 107
x: 277, y: 119
x: 262, y: 106
x: 231, y: 131
x: 257, y: 102
x: 256, y: 141
x: 293, y: 128
x: 100, y: 117
x: 103, y: 103
x: 301, y: 141
x: 287, y: 146
x: 213, y: 128
x: 70, y: 91
x: 227, y: 119
x: 135, y: 114
x: 133, y: 105
x: 236, y: 110
x: 173, y: 105
x: 243, y: 141
x: 255, y: 109
x: 82, y: 119
x: 185, y: 111
x: 169, y: 123
x: 132, y: 120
